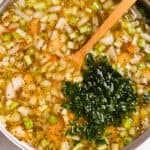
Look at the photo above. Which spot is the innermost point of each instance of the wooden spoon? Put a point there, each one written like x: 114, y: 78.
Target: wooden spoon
x: 123, y: 6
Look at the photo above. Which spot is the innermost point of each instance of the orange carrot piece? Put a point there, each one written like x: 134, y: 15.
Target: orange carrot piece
x: 131, y: 48
x: 34, y: 26
x: 54, y: 58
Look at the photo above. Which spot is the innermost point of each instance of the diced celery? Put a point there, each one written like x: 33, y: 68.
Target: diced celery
x: 131, y: 29
x: 124, y: 24
x: 72, y: 20
x: 95, y: 6
x: 127, y: 123
x: 43, y: 35
x: 123, y: 133
x: 78, y: 146
x: 147, y: 57
x: 30, y: 51
x: 29, y: 39
x: 16, y: 35
x: 44, y: 143
x: 13, y: 105
x: 56, y: 2
x: 74, y: 35
x: 28, y: 123
x: 132, y: 131
x: 99, y: 47
x: 52, y: 17
x: 52, y: 23
x: 140, y: 65
x: 22, y: 22
x: 85, y: 28
x: 127, y: 140
x: 115, y: 67
x: 15, y: 18
x: 64, y: 37
x: 30, y: 3
x: 6, y: 37
x: 28, y: 60
x: 52, y: 120
x: 40, y: 6
x: 141, y: 43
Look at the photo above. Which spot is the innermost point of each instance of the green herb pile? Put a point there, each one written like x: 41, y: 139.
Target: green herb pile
x: 104, y: 98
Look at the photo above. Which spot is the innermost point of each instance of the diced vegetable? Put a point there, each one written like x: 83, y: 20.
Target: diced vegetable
x: 13, y: 105
x: 16, y: 35
x: 28, y: 60
x: 52, y: 119
x: 44, y: 143
x: 147, y: 57
x: 127, y: 123
x: 28, y: 123
x: 72, y: 20
x: 140, y: 65
x: 95, y: 6
x: 40, y: 6
x: 127, y: 140
x: 100, y: 47
x: 141, y: 43
x: 123, y: 133
x: 85, y: 28
x: 6, y: 37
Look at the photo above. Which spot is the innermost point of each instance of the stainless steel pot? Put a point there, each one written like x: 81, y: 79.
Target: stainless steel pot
x: 138, y: 143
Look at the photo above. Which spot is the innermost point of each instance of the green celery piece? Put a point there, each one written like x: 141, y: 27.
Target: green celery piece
x: 28, y: 123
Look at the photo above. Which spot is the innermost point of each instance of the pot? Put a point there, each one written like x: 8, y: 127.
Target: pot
x: 138, y: 143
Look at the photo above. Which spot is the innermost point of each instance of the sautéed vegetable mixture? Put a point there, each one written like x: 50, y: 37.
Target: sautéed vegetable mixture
x: 46, y: 102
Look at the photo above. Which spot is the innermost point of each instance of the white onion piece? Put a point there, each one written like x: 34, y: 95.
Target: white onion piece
x: 60, y: 23
x: 135, y: 60
x: 108, y: 39
x: 21, y: 32
x: 83, y: 21
x: 17, y: 82
x: 55, y: 9
x: 146, y: 36
x: 65, y: 146
x: 147, y: 48
x: 10, y: 92
x: 22, y: 14
x: 23, y: 110
x: 14, y: 49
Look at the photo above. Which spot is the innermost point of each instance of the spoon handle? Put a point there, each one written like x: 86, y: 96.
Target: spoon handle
x: 122, y: 7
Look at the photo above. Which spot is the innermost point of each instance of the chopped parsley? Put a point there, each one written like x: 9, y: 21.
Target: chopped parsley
x: 104, y: 98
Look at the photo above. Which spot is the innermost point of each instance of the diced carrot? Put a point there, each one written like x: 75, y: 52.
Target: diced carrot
x: 1, y: 56
x: 34, y: 26
x: 54, y: 58
x: 55, y: 133
x: 130, y: 48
